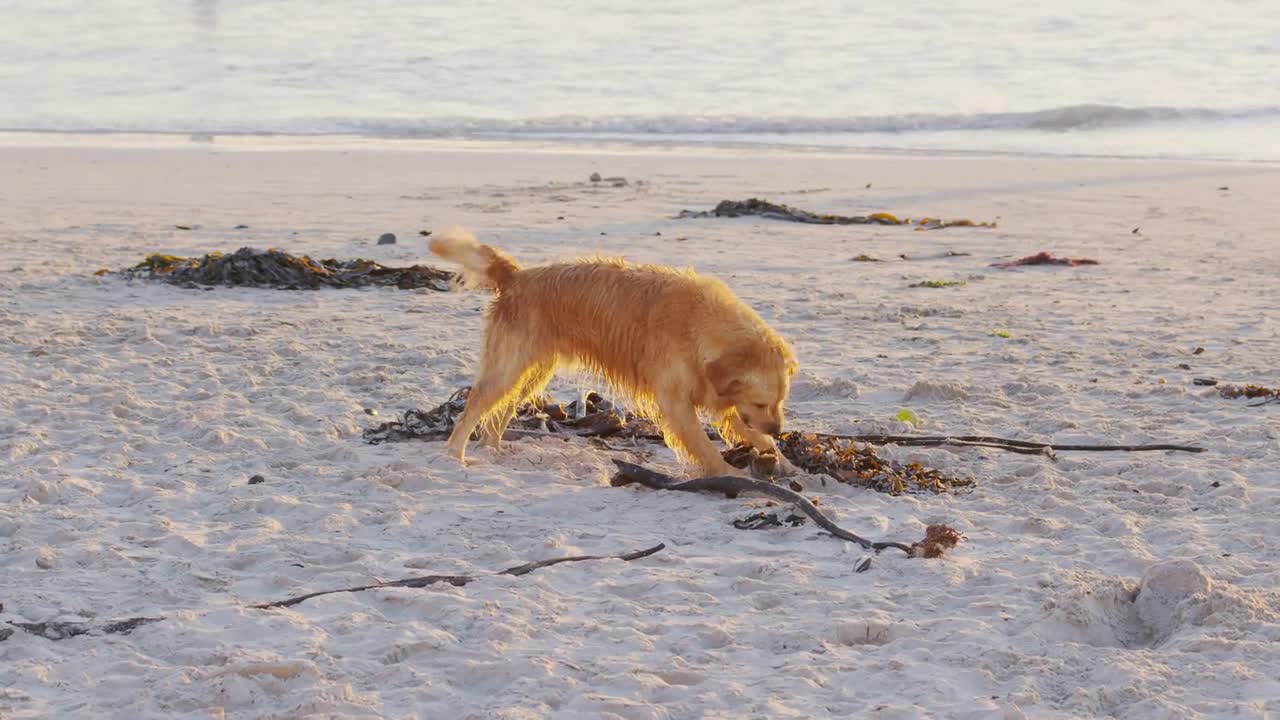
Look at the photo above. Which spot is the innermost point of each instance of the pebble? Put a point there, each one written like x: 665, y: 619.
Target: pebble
x: 257, y: 480
x: 45, y: 558
x: 387, y: 239
x: 370, y: 411
x: 595, y: 177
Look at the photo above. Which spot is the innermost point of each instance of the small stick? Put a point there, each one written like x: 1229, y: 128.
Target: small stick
x: 732, y: 484
x: 460, y: 580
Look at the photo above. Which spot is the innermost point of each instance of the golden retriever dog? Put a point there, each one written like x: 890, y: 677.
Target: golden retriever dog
x: 671, y: 342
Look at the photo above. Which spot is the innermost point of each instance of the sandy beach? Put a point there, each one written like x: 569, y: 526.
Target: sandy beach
x: 133, y: 414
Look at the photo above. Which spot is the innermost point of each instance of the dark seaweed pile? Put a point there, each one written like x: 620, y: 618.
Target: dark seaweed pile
x: 840, y: 459
x: 597, y: 418
x: 777, y: 211
x: 278, y: 269
x: 848, y: 463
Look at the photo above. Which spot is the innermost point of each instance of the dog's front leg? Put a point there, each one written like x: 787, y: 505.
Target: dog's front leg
x: 684, y: 431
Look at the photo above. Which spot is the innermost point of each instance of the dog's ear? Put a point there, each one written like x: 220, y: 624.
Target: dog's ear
x: 725, y: 373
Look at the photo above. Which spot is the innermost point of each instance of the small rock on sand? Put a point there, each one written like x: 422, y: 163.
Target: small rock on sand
x: 595, y: 177
x: 46, y: 559
x: 387, y: 239
x: 257, y: 480
x: 1165, y: 586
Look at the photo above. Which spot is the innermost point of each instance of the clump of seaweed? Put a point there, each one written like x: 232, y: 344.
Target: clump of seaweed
x: 778, y: 211
x: 433, y: 424
x: 937, y: 540
x: 1247, y: 391
x: 278, y: 269
x: 936, y: 284
x: 596, y: 417
x: 1046, y: 258
x: 1253, y: 392
x: 836, y: 457
x: 848, y: 463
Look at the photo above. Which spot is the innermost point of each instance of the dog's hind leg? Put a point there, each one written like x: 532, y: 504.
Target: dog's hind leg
x: 684, y: 431
x: 533, y: 381
x: 502, y: 369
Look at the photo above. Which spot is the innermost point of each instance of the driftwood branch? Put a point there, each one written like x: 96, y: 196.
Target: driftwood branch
x: 65, y: 630
x: 732, y: 485
x: 1017, y: 446
x: 460, y: 580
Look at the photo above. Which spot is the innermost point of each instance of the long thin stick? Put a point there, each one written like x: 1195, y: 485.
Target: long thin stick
x: 460, y: 580
x: 732, y: 485
x: 1023, y: 447
x: 1003, y: 443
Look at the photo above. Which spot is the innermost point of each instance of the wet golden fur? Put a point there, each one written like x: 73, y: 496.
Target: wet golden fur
x: 670, y: 341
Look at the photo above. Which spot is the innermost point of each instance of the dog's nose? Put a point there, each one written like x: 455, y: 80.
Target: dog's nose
x: 773, y: 428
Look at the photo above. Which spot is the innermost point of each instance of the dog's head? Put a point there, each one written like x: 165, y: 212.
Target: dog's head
x: 755, y: 381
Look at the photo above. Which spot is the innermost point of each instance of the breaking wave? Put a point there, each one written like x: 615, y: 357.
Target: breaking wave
x: 1060, y: 119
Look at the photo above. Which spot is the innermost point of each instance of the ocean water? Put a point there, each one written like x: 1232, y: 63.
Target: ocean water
x: 1177, y: 78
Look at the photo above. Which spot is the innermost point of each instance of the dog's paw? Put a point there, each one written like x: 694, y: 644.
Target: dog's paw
x: 458, y: 455
x: 772, y: 466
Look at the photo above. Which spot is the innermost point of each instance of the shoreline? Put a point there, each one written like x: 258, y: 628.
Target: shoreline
x: 551, y: 144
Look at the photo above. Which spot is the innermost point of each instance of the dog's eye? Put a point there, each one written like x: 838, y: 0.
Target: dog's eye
x: 762, y: 406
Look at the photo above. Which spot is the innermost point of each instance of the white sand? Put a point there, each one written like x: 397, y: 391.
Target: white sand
x: 132, y: 415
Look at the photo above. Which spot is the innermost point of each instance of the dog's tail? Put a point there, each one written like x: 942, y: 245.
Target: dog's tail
x: 482, y: 266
